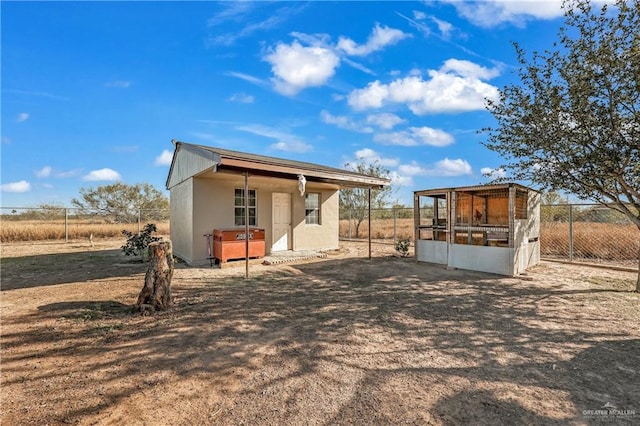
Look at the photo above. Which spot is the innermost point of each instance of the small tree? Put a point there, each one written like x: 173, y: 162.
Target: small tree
x: 138, y: 243
x: 121, y: 201
x: 355, y: 200
x: 573, y: 122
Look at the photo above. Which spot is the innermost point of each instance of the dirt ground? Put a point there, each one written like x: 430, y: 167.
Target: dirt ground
x: 344, y: 340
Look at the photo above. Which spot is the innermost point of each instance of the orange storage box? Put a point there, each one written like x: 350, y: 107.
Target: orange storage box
x: 230, y: 244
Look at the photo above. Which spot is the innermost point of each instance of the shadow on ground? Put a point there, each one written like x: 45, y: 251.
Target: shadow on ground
x: 62, y: 268
x: 341, y: 341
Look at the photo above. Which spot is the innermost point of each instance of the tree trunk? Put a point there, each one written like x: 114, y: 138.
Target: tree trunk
x: 156, y: 293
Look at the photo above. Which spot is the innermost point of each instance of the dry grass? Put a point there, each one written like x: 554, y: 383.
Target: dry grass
x: 606, y: 241
x: 39, y: 230
x: 591, y: 241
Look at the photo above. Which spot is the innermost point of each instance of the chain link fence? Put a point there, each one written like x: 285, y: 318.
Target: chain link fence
x: 67, y: 224
x: 588, y: 233
x: 569, y: 232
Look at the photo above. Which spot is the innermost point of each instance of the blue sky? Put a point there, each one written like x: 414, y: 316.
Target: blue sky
x: 94, y: 92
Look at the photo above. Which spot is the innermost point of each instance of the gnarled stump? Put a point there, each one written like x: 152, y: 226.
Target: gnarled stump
x: 156, y: 293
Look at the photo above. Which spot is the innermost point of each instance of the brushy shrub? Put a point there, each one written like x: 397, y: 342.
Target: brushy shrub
x: 137, y: 243
x: 402, y: 246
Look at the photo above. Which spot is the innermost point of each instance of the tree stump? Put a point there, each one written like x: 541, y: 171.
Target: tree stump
x: 156, y: 293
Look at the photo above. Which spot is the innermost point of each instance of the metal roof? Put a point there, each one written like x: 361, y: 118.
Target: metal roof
x: 476, y: 188
x: 221, y: 159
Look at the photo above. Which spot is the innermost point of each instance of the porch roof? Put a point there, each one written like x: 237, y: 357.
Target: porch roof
x: 225, y: 160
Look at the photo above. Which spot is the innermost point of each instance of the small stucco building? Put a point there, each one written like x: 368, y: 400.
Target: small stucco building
x: 296, y: 203
x: 489, y: 228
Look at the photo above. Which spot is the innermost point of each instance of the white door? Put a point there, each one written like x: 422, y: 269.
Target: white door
x: 281, y: 228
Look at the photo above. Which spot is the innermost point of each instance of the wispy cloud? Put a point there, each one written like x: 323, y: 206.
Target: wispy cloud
x: 284, y: 141
x: 242, y: 15
x: 490, y: 13
x: 21, y: 186
x: 164, y: 159
x: 105, y: 174
x: 242, y: 98
x: 248, y: 78
x: 414, y: 136
x: 48, y: 171
x: 369, y: 156
x: 119, y: 84
x: 36, y: 93
x: 385, y: 120
x: 44, y: 172
x: 22, y: 117
x: 125, y: 148
x: 380, y: 37
x: 344, y: 122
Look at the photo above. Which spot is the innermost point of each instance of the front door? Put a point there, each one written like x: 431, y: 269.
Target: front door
x: 281, y: 228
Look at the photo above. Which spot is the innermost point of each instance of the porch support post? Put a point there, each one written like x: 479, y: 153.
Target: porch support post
x: 246, y: 224
x: 369, y: 199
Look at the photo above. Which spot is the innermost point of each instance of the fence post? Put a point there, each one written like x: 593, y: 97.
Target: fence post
x: 571, y: 232
x: 139, y: 210
x: 66, y: 225
x: 349, y: 225
x: 394, y: 227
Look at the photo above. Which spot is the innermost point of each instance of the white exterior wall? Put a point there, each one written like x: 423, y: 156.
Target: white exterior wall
x: 495, y: 260
x: 181, y: 222
x: 213, y: 208
x: 432, y: 251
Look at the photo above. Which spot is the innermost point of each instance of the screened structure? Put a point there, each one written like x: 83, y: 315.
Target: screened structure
x: 489, y: 228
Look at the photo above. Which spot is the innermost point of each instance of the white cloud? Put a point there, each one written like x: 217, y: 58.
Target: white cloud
x: 490, y: 13
x: 297, y: 67
x: 369, y: 156
x: 242, y: 98
x: 445, y: 27
x: 164, y: 159
x: 493, y: 173
x: 456, y: 87
x: 415, y: 136
x: 398, y: 180
x: 21, y: 186
x: 22, y: 117
x: 119, y: 84
x: 385, y: 120
x: 44, y: 172
x: 105, y: 174
x: 444, y: 167
x: 380, y: 37
x: 412, y: 169
x: 292, y: 146
x: 449, y: 167
x: 284, y: 141
x: 344, y: 122
x: 469, y: 69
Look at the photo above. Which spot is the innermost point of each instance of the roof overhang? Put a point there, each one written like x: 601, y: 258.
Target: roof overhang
x: 228, y: 161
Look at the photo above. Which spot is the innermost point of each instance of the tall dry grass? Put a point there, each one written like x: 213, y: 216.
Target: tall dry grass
x: 604, y: 241
x: 37, y: 230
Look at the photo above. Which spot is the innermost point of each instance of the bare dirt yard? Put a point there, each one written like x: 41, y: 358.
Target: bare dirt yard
x: 343, y: 340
